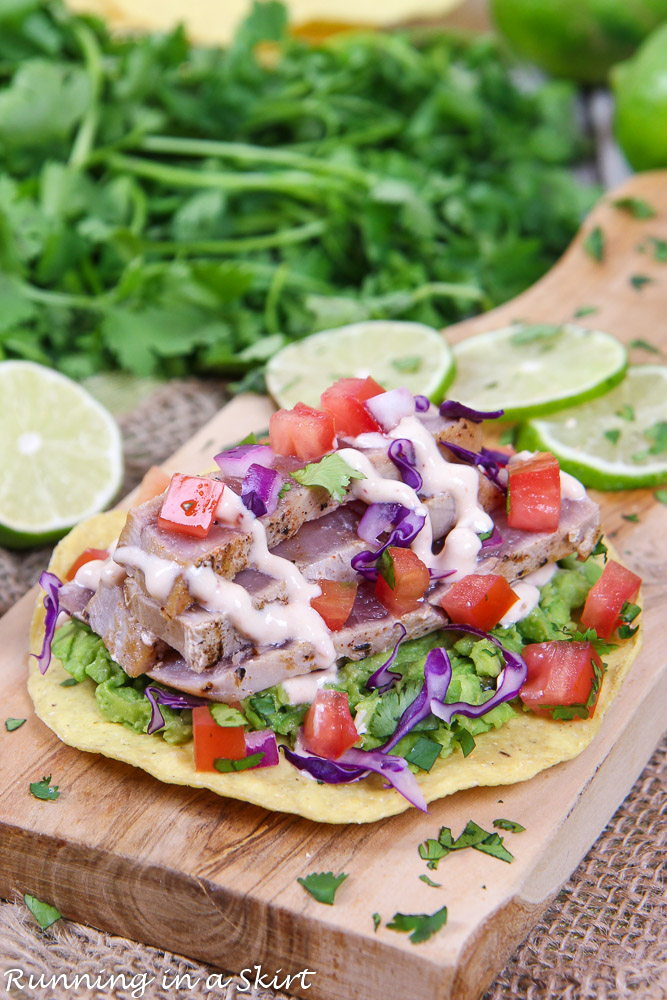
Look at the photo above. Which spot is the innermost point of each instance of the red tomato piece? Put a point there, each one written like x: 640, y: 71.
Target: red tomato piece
x: 344, y: 400
x: 190, y: 503
x: 479, y: 599
x: 561, y: 673
x: 533, y: 498
x: 213, y: 741
x: 328, y: 728
x: 411, y: 581
x: 335, y: 602
x: 303, y: 432
x: 86, y: 556
x: 606, y: 598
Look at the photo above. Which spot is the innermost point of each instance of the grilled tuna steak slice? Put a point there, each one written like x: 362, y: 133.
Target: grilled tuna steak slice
x: 128, y: 642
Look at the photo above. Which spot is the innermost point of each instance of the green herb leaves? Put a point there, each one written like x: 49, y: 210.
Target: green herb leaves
x: 473, y: 836
x: 44, y: 913
x: 508, y: 824
x: 322, y: 886
x: 226, y: 715
x: 332, y: 473
x: 594, y: 244
x: 43, y: 790
x: 227, y: 766
x: 11, y: 725
x: 637, y: 207
x: 421, y: 925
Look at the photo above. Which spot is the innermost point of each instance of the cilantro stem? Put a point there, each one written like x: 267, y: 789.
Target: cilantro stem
x: 63, y: 300
x: 85, y: 136
x: 447, y: 289
x: 267, y: 241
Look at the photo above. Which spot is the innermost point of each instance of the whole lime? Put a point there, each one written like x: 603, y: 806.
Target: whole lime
x: 640, y: 86
x: 577, y: 39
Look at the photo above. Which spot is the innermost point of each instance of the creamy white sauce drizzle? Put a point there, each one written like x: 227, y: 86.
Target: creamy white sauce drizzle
x: 542, y: 575
x: 302, y: 689
x: 529, y: 596
x: 160, y: 574
x: 571, y: 488
x: 95, y: 570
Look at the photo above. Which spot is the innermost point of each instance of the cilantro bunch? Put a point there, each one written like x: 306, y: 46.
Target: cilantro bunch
x: 168, y: 209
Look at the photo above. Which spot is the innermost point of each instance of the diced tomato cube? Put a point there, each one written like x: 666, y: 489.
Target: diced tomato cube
x: 335, y: 602
x: 190, y: 504
x: 479, y: 599
x: 411, y: 581
x: 328, y: 728
x: 86, y: 556
x: 533, y: 498
x: 606, y: 598
x: 213, y: 741
x: 561, y: 673
x: 302, y: 432
x: 344, y: 400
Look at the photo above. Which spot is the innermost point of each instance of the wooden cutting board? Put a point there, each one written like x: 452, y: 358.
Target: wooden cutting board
x: 216, y: 879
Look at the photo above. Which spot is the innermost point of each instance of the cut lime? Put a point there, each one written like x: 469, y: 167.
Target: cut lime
x: 529, y: 370
x: 618, y: 441
x: 394, y: 353
x: 61, y: 453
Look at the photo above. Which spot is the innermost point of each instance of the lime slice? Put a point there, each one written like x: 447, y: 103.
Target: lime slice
x: 61, y: 453
x: 618, y: 441
x: 529, y: 370
x: 394, y: 353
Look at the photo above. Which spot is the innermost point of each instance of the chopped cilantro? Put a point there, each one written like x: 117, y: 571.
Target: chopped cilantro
x: 594, y: 244
x: 463, y: 737
x: 658, y: 435
x: 225, y: 766
x: 432, y: 851
x: 626, y: 412
x: 225, y: 715
x: 600, y: 549
x: 332, y: 473
x: 661, y: 496
x: 44, y: 914
x: 407, y: 366
x: 429, y: 881
x: 628, y: 614
x: 508, y: 824
x: 586, y: 311
x: 422, y: 925
x: 633, y: 518
x: 473, y: 836
x: 565, y: 713
x: 248, y: 439
x: 612, y: 435
x: 637, y: 207
x: 43, y: 790
x: 659, y: 250
x: 639, y: 280
x: 69, y: 683
x: 599, y: 645
x: 322, y: 886
x: 643, y: 345
x: 386, y: 568
x: 493, y: 845
x: 483, y: 535
x: 285, y: 488
x: 376, y: 921
x: 425, y: 752
x: 12, y: 724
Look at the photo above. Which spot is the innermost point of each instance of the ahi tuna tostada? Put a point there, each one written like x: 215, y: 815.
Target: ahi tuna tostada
x: 368, y: 610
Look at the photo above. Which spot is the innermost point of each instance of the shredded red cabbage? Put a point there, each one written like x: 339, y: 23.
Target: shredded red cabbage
x: 484, y: 459
x: 402, y: 535
x: 389, y: 408
x: 51, y: 584
x: 451, y: 408
x: 263, y: 741
x: 261, y: 488
x: 512, y: 679
x: 235, y: 462
x: 383, y: 676
x: 172, y: 699
x: 437, y: 675
x: 402, y: 453
x: 355, y: 764
x: 422, y: 404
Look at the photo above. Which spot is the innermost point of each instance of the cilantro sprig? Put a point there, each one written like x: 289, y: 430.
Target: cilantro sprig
x: 44, y: 913
x: 323, y: 886
x: 420, y: 926
x: 11, y: 725
x: 44, y: 790
x: 332, y: 473
x: 434, y: 850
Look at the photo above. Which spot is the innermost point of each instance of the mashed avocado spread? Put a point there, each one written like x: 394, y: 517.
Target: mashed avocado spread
x: 475, y: 666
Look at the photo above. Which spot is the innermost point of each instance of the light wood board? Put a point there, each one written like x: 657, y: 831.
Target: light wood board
x: 216, y: 879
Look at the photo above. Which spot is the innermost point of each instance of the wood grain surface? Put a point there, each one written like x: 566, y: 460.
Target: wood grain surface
x: 216, y: 879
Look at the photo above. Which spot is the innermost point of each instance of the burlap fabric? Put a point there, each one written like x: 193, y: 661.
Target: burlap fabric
x: 605, y: 937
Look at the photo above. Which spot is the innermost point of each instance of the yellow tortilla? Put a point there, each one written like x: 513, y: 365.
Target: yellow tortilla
x: 519, y: 750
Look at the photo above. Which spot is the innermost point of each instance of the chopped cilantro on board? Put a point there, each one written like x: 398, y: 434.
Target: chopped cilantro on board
x: 421, y: 925
x: 11, y: 725
x: 43, y: 789
x: 322, y: 886
x: 508, y: 824
x: 376, y: 921
x: 44, y: 913
x: 473, y: 836
x: 644, y: 345
x: 586, y: 311
x: 429, y: 881
x: 637, y: 207
x: 594, y: 244
x: 639, y: 280
x: 332, y: 473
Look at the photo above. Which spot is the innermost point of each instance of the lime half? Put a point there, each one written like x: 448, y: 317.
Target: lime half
x: 394, y: 353
x: 529, y: 370
x: 61, y: 453
x: 618, y: 441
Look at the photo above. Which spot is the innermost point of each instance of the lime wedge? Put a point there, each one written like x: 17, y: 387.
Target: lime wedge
x: 394, y: 353
x: 529, y: 370
x: 618, y: 441
x: 61, y: 453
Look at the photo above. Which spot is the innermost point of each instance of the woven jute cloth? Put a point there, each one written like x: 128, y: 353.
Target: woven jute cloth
x: 604, y: 937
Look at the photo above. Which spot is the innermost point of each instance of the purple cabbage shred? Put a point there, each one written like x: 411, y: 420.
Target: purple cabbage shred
x: 402, y: 453
x: 261, y: 488
x: 172, y: 699
x: 454, y: 409
x: 485, y: 459
x: 383, y: 677
x: 51, y: 585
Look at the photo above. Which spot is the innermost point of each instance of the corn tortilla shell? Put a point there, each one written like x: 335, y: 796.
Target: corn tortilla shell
x: 519, y: 750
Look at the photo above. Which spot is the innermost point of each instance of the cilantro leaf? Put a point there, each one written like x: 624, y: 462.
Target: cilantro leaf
x: 628, y: 614
x: 424, y: 753
x: 386, y: 568
x: 11, y: 725
x: 626, y: 412
x: 322, y: 886
x: 463, y: 737
x: 472, y: 835
x: 43, y: 790
x: 428, y: 881
x: 44, y: 913
x: 639, y: 280
x: 508, y: 824
x: 433, y: 852
x: 594, y: 244
x: 613, y: 435
x: 376, y: 921
x: 661, y: 496
x: 493, y: 845
x: 332, y: 473
x: 226, y: 715
x: 69, y: 683
x: 644, y: 345
x: 586, y: 311
x: 599, y: 645
x: 633, y: 518
x: 422, y: 925
x: 637, y: 207
x: 225, y: 766
x: 600, y: 549
x: 565, y: 713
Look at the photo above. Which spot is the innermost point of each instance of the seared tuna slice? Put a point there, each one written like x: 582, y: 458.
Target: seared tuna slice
x: 129, y: 643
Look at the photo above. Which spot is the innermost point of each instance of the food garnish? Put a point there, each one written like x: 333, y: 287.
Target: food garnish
x: 44, y: 913
x: 44, y: 790
x: 322, y: 886
x: 11, y: 725
x: 422, y: 925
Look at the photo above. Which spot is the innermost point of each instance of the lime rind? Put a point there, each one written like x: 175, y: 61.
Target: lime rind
x: 394, y: 352
x: 540, y: 376
x: 606, y: 462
